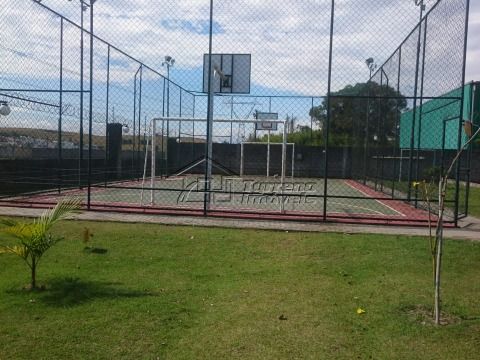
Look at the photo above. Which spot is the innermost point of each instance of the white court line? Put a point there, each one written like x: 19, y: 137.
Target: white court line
x: 380, y: 202
x: 357, y: 207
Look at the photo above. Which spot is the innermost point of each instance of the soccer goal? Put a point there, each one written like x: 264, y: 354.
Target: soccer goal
x: 156, y: 150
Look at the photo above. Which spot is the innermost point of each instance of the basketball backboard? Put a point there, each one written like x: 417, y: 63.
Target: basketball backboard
x: 265, y: 121
x: 235, y: 73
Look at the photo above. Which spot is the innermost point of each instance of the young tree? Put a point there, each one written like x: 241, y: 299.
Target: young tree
x: 438, y: 242
x: 34, y: 237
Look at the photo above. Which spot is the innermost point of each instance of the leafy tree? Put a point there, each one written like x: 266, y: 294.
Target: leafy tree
x: 349, y: 109
x: 34, y: 237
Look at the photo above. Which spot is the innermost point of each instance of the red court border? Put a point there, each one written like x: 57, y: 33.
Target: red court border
x: 408, y: 215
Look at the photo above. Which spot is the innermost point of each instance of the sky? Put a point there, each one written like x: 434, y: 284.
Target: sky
x: 288, y: 40
x: 473, y: 53
x: 288, y: 43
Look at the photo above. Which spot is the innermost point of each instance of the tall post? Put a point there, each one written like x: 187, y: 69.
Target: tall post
x: 231, y: 117
x: 107, y: 102
x: 90, y: 110
x: 397, y: 126
x: 473, y: 102
x: 293, y: 160
x: 383, y: 133
x: 153, y: 170
x: 193, y: 126
x: 329, y: 112
x: 284, y: 165
x: 165, y: 155
x: 367, y: 130
x: 460, y: 123
x: 268, y: 153
x: 414, y: 111
x: 241, y: 158
x: 134, y: 121
x: 180, y: 121
x: 311, y: 122
x: 209, y: 143
x: 60, y: 113
x: 168, y: 91
x: 139, y: 120
x: 80, y: 153
x: 420, y: 116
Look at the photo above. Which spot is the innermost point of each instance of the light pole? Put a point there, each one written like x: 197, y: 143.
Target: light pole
x: 83, y: 7
x: 372, y: 66
x: 169, y: 62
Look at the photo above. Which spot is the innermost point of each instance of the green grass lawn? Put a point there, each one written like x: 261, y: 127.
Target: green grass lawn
x: 164, y: 292
x: 474, y: 202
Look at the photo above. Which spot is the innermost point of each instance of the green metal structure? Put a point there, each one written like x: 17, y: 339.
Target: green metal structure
x: 437, y: 120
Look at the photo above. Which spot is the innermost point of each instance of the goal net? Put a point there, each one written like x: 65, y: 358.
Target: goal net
x: 177, y: 148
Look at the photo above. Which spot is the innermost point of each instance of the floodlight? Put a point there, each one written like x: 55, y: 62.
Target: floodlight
x: 125, y: 128
x: 370, y: 62
x: 4, y: 108
x: 169, y: 61
x: 420, y: 3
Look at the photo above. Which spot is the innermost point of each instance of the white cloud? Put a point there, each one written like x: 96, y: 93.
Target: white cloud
x: 288, y: 39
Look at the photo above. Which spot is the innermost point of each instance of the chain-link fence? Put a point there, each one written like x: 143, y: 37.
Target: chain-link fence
x: 312, y: 110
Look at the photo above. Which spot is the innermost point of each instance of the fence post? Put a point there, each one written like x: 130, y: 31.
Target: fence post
x: 106, y: 169
x: 460, y: 122
x: 60, y: 113
x: 80, y: 153
x: 329, y: 110
x: 209, y: 142
x: 414, y: 110
x: 90, y: 121
x: 139, y: 121
x: 397, y: 127
x: 420, y: 119
x: 134, y: 121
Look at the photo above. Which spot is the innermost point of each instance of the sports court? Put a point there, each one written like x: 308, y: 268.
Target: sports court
x: 218, y: 111
x: 254, y: 196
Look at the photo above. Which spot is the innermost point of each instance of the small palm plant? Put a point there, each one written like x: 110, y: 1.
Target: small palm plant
x: 35, y: 237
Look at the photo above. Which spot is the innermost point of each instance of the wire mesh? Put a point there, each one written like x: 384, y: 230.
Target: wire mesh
x: 367, y: 98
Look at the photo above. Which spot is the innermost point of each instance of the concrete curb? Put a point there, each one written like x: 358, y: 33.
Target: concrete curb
x: 469, y: 228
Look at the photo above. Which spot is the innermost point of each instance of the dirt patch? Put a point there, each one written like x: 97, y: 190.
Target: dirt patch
x: 424, y: 315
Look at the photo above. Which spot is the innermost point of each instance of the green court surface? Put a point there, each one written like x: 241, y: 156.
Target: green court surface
x: 302, y: 195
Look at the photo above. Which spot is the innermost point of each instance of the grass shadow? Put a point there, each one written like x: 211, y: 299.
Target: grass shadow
x: 95, y: 250
x: 69, y: 292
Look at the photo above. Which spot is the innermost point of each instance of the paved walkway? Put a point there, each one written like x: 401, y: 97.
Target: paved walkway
x: 469, y: 228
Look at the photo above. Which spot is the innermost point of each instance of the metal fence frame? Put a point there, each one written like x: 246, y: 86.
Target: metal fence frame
x: 414, y: 151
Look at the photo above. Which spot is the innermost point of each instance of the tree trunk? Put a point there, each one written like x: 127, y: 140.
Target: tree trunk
x: 439, y: 245
x: 34, y: 274
x: 437, y: 280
